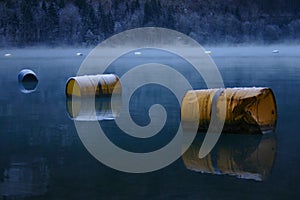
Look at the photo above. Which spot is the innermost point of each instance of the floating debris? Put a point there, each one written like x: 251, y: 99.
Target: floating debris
x: 275, y: 51
x: 137, y: 53
x: 7, y: 55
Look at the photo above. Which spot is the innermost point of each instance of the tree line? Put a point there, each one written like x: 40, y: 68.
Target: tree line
x: 88, y: 22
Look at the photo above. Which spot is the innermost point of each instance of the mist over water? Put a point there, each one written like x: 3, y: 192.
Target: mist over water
x: 224, y: 50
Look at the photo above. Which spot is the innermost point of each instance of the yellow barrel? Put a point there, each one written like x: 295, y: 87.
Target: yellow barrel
x: 93, y: 85
x: 243, y: 156
x: 93, y: 109
x: 248, y: 110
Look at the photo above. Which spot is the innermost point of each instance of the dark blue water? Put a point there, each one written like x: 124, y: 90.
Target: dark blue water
x: 42, y: 157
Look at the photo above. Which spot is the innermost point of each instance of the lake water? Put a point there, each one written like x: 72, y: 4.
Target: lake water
x: 42, y: 157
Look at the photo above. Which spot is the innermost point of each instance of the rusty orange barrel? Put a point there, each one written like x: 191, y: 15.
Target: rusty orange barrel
x: 248, y: 110
x: 101, y: 85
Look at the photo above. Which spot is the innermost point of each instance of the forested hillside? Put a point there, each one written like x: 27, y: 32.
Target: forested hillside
x: 87, y: 22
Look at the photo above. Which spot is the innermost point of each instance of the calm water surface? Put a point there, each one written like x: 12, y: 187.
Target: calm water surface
x: 42, y: 157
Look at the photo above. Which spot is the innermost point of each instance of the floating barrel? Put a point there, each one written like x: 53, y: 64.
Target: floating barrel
x: 27, y: 81
x: 27, y: 75
x: 93, y: 109
x: 248, y: 110
x: 242, y: 156
x: 101, y: 85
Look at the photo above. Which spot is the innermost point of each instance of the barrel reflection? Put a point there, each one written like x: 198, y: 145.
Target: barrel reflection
x: 93, y: 109
x: 242, y: 156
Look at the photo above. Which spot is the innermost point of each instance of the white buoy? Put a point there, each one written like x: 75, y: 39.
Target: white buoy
x: 7, y: 55
x: 275, y: 51
x: 208, y: 52
x: 79, y: 54
x: 137, y: 53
